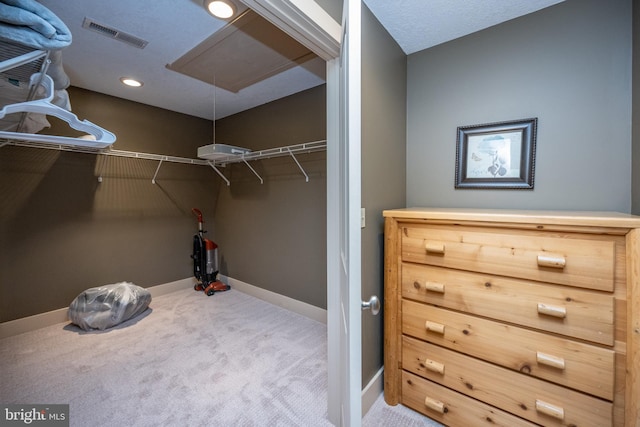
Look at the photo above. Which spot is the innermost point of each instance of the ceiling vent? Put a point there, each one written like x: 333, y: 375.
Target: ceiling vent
x: 114, y: 33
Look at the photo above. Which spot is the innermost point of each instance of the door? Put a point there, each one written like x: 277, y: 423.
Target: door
x: 344, y: 239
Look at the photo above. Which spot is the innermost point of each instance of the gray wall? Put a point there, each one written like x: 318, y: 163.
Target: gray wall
x: 570, y: 66
x: 62, y: 232
x: 635, y: 205
x: 273, y: 235
x: 384, y: 71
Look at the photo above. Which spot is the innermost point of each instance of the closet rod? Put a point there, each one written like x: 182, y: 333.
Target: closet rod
x: 109, y: 152
x: 307, y: 147
x: 150, y: 156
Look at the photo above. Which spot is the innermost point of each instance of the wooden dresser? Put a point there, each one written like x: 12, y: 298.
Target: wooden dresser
x: 513, y: 318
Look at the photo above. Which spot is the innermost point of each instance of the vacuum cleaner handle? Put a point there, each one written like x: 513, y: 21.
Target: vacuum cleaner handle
x: 198, y: 214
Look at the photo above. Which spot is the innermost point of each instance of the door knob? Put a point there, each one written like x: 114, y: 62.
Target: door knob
x: 373, y: 304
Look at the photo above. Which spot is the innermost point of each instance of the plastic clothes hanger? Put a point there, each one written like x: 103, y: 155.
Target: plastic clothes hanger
x: 103, y: 138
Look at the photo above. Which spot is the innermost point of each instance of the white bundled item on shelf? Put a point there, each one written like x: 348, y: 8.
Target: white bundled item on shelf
x: 103, y: 138
x: 106, y: 306
x: 218, y: 151
x: 14, y: 91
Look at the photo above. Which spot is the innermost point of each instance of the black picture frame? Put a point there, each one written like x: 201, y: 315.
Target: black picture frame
x: 496, y: 155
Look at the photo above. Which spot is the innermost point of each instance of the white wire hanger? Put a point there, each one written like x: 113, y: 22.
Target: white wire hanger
x: 103, y: 138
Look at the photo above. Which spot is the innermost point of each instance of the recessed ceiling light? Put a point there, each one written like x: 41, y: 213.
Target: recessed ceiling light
x: 131, y: 82
x: 220, y: 9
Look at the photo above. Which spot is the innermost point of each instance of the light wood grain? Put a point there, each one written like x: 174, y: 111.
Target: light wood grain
x: 632, y: 395
x: 588, y: 263
x: 587, y: 367
x: 392, y: 326
x: 540, y: 218
x: 495, y: 268
x: 458, y: 409
x: 504, y: 388
x: 590, y: 315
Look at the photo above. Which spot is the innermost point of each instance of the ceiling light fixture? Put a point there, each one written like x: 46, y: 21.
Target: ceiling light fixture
x: 131, y: 82
x: 220, y: 9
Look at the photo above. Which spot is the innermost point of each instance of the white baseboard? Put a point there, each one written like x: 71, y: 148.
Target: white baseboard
x: 31, y: 323
x: 372, y: 390
x: 167, y: 288
x: 307, y: 310
x: 42, y: 320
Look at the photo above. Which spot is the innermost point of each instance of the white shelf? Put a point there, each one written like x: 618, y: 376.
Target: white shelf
x: 307, y: 147
x: 290, y: 150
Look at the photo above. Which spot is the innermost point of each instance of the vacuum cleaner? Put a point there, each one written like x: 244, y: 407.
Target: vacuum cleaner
x: 205, y: 261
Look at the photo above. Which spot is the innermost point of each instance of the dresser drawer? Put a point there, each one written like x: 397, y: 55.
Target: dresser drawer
x: 530, y: 398
x: 565, y: 310
x: 452, y: 408
x: 578, y: 365
x: 573, y: 260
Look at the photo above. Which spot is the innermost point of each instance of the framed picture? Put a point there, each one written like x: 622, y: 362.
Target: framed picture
x: 496, y: 155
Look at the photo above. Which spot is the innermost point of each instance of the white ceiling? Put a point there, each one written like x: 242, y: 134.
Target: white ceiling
x: 173, y: 27
x: 420, y: 24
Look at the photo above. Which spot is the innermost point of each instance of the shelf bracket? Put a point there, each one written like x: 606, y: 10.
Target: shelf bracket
x: 253, y: 170
x: 153, y: 180
x: 220, y: 173
x: 306, y: 177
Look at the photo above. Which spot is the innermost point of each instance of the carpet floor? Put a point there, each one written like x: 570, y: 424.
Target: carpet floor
x: 189, y: 360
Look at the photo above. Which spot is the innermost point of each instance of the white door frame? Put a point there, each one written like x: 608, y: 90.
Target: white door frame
x: 333, y: 242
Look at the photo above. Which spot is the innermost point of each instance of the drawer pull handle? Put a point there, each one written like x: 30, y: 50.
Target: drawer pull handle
x: 434, y: 366
x: 549, y: 360
x: 550, y: 310
x: 435, y: 327
x: 553, y: 261
x: 434, y: 405
x: 435, y: 287
x: 549, y: 409
x: 434, y: 247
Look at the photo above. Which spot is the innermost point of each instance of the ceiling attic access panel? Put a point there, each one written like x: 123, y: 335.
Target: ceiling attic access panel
x: 247, y: 50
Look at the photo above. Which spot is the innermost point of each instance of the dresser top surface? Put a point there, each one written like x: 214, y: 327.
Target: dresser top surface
x: 582, y: 218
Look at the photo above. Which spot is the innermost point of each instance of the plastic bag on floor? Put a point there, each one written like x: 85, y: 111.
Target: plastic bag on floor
x: 107, y: 306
